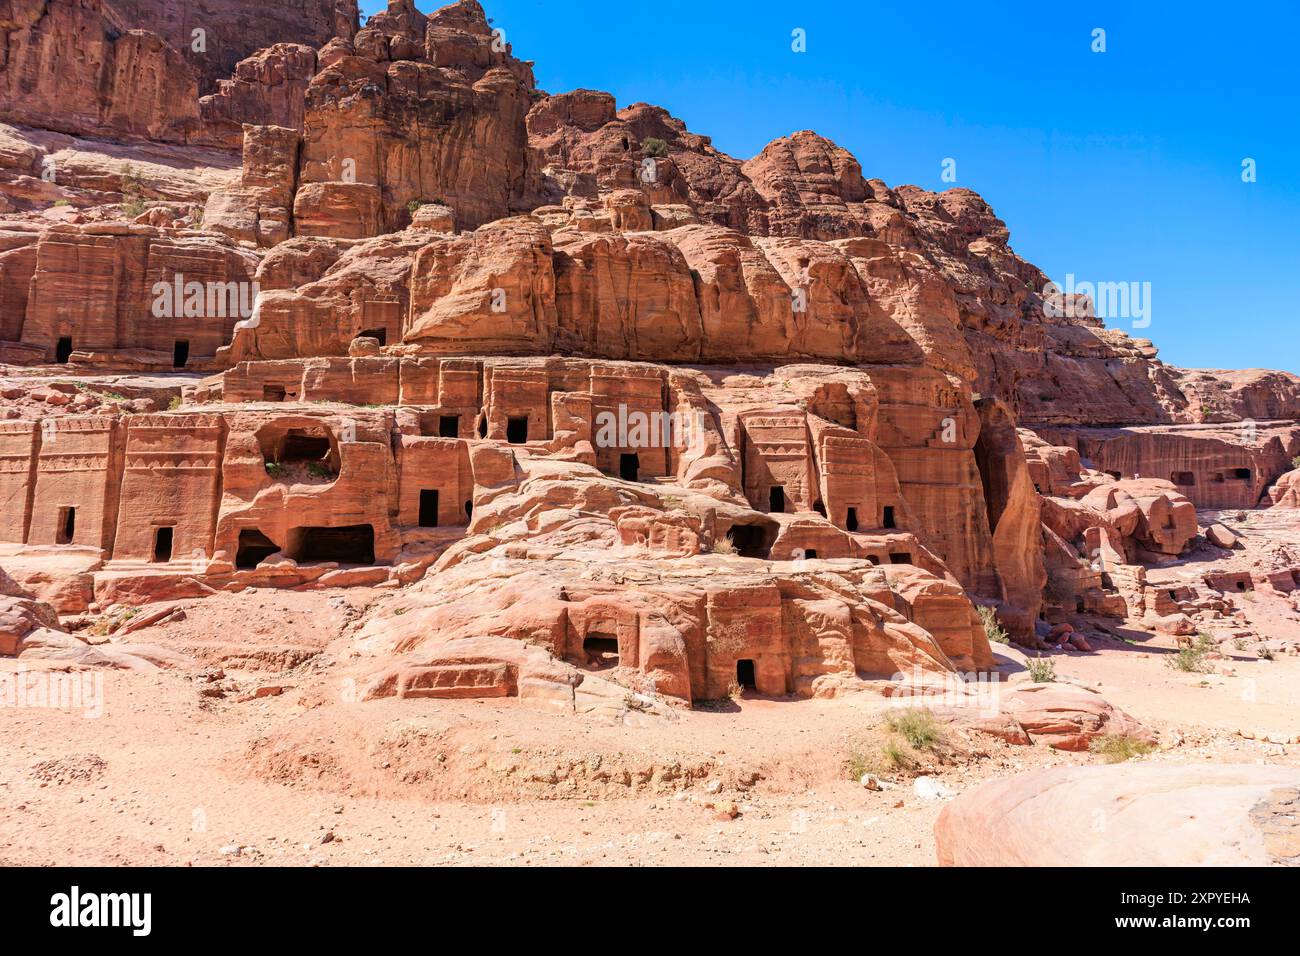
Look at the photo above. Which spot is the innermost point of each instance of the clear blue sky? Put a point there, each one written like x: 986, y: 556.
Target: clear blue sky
x: 1115, y: 166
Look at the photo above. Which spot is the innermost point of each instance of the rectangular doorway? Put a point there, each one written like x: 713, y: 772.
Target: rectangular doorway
x: 162, y: 544
x: 428, y: 509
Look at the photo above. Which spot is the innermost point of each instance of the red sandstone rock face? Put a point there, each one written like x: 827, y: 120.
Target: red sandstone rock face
x: 135, y: 68
x: 417, y: 110
x: 268, y: 88
x: 129, y: 82
x: 100, y: 288
x: 235, y: 29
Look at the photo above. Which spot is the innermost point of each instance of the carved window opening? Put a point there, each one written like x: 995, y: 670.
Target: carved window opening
x: 517, y: 429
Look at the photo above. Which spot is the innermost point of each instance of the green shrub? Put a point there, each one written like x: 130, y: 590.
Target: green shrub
x: 654, y: 146
x: 133, y: 197
x: 275, y: 469
x: 1191, y: 660
x: 1042, y: 670
x: 994, y: 631
x: 896, y: 756
x: 917, y: 727
x: 858, y: 763
x: 1116, y: 748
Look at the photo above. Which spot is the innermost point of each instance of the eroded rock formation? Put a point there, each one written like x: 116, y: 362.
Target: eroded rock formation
x: 587, y: 393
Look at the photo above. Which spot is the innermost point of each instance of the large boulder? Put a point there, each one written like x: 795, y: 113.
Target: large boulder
x: 1286, y: 493
x: 1068, y: 716
x: 1127, y: 815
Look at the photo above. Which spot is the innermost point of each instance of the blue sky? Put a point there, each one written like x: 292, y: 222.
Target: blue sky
x: 1122, y: 166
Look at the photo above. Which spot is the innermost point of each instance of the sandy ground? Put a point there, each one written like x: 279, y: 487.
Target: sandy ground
x: 170, y: 774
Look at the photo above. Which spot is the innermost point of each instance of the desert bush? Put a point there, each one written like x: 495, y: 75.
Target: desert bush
x: 1191, y: 660
x: 994, y: 631
x: 654, y: 146
x: 724, y: 546
x: 1116, y: 748
x: 917, y: 727
x: 1042, y: 670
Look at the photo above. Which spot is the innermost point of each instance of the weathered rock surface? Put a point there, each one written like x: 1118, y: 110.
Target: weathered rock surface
x: 1127, y: 815
x: 1068, y: 716
x: 1285, y: 493
x: 135, y: 68
x: 421, y: 287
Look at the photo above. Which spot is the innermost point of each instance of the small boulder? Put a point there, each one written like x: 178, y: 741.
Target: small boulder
x: 1221, y: 536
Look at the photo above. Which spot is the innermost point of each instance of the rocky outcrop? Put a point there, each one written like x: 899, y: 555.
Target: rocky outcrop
x: 1285, y: 493
x: 21, y: 615
x: 235, y: 29
x: 412, y: 110
x: 134, y: 69
x: 259, y: 209
x: 434, y: 299
x: 130, y: 292
x: 268, y: 88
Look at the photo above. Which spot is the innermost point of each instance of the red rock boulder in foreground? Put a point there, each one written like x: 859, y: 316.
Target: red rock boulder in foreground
x: 1126, y: 815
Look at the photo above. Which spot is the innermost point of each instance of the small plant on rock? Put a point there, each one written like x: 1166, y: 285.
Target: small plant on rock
x: 133, y: 198
x: 724, y: 545
x: 654, y: 146
x: 994, y: 631
x: 1042, y: 670
x: 275, y: 469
